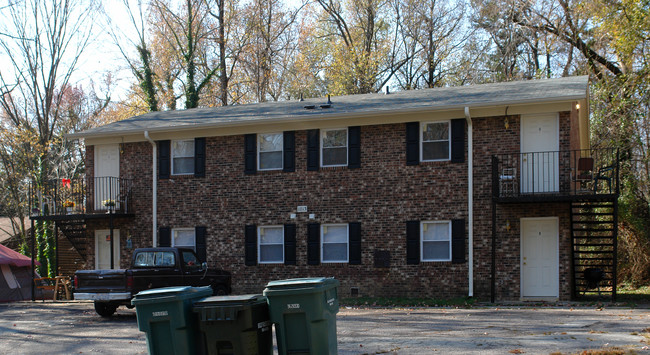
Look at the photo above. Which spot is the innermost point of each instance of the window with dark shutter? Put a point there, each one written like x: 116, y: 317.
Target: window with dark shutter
x: 458, y: 140
x: 354, y: 147
x: 289, y: 148
x: 413, y: 242
x: 313, y: 244
x: 164, y: 237
x: 412, y: 143
x: 458, y: 241
x: 290, y: 244
x: 164, y: 159
x: 200, y: 234
x: 199, y: 157
x: 313, y: 147
x: 250, y: 245
x: 250, y: 153
x: 355, y: 243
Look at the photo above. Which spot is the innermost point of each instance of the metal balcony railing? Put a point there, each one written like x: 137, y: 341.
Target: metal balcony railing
x: 578, y: 173
x: 97, y: 195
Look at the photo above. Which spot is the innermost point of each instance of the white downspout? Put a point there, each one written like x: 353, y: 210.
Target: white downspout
x: 154, y: 189
x: 470, y: 202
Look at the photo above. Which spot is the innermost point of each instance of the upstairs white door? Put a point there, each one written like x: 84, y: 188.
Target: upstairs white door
x: 539, y: 257
x: 107, y: 166
x: 540, y: 144
x: 103, y: 249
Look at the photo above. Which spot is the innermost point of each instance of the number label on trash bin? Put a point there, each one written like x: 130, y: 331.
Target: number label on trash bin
x: 264, y: 326
x: 331, y: 301
x: 293, y: 306
x: 160, y: 314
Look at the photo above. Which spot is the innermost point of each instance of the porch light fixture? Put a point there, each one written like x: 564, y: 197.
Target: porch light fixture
x: 508, y: 225
x: 506, y: 123
x: 577, y: 106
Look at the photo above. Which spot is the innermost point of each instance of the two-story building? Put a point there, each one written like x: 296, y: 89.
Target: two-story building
x: 491, y: 191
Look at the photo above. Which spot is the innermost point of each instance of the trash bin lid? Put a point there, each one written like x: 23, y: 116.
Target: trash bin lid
x: 238, y: 300
x: 166, y: 294
x: 296, y: 285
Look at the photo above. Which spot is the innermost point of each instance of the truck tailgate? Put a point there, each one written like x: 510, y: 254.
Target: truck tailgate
x: 101, y: 280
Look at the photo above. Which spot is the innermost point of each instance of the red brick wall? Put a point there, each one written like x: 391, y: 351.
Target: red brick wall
x: 383, y: 194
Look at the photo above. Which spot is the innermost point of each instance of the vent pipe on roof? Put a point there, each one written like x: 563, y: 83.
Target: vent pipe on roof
x: 301, y: 99
x: 329, y: 102
x: 387, y: 90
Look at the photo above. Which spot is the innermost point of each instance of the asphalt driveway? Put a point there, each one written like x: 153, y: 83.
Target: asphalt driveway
x: 74, y: 328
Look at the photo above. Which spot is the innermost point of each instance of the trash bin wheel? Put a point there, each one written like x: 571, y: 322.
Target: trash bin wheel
x: 105, y: 309
x: 219, y: 290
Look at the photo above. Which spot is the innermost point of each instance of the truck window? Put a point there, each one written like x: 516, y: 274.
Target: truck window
x: 155, y: 259
x: 144, y: 260
x: 190, y: 259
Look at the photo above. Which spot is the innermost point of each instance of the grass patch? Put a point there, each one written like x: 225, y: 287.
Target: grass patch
x: 406, y: 302
x: 626, y: 293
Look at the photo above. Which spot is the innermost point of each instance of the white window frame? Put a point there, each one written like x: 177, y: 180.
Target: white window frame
x: 259, y: 245
x: 422, y: 227
x: 347, y: 243
x: 322, y: 147
x: 174, y: 233
x: 259, y: 151
x: 176, y: 156
x: 422, y: 126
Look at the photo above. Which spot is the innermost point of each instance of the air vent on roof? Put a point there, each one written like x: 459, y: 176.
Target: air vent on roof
x: 310, y: 107
x: 325, y: 106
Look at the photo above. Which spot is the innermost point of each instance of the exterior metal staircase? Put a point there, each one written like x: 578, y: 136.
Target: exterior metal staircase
x: 75, y: 231
x: 593, y: 243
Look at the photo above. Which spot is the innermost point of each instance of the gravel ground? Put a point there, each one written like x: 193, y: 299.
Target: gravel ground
x: 74, y: 328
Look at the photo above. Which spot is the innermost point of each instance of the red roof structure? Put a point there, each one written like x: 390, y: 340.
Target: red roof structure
x: 11, y: 257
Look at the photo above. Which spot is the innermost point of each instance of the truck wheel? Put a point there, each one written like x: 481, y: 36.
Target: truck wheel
x: 105, y: 309
x: 219, y: 290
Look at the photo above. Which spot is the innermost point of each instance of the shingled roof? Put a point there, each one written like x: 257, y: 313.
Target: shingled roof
x: 436, y: 99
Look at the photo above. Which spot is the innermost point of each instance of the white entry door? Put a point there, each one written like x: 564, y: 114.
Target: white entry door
x: 540, y: 158
x: 107, y: 166
x: 539, y: 257
x: 103, y: 249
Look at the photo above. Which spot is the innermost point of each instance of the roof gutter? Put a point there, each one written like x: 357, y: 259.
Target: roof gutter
x: 154, y: 190
x: 470, y: 203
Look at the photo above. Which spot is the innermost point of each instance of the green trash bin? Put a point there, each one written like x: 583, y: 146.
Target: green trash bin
x: 165, y: 315
x: 304, y: 314
x: 235, y: 325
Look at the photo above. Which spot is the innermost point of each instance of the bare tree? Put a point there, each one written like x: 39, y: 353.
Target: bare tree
x: 43, y: 42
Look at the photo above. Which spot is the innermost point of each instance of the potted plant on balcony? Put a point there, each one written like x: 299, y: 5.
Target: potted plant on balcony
x: 69, y: 206
x: 109, y: 203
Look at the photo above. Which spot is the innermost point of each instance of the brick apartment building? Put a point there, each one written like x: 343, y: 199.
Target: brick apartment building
x: 487, y: 191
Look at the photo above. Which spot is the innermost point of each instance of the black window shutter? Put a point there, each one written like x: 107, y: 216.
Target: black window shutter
x: 355, y: 243
x: 313, y: 244
x: 250, y: 153
x: 413, y: 143
x: 164, y: 159
x: 199, y: 157
x: 413, y: 242
x: 313, y: 147
x: 250, y: 245
x: 289, y: 244
x: 354, y: 147
x: 199, y: 235
x: 164, y: 237
x: 458, y: 241
x: 458, y: 140
x: 289, y: 151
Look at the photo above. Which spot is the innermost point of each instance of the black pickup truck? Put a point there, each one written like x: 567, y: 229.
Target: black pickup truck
x: 151, y: 268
